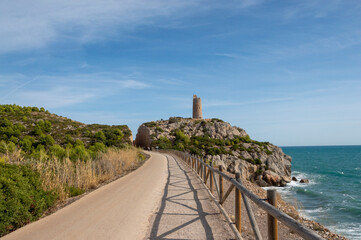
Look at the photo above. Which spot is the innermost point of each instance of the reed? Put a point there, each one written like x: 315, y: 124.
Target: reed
x: 64, y: 176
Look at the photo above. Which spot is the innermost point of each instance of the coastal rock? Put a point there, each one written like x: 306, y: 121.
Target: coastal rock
x: 287, y: 179
x: 294, y: 179
x: 222, y: 144
x: 261, y: 183
x: 271, y: 178
x: 304, y: 180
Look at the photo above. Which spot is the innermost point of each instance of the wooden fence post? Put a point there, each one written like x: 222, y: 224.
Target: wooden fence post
x: 199, y: 167
x: 238, y: 207
x: 205, y: 174
x: 211, y: 180
x: 272, y: 222
x: 220, y: 184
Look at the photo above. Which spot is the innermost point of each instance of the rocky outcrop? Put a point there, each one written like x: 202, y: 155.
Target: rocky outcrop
x: 142, y: 138
x: 303, y: 180
x: 222, y: 144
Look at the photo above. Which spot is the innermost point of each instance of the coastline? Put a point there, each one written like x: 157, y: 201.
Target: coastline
x: 261, y: 216
x: 331, y: 197
x: 293, y: 210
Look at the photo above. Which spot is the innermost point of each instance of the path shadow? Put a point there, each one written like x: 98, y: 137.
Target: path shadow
x: 199, y: 214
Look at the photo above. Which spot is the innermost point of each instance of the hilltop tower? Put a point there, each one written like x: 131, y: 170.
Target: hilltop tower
x: 197, y: 107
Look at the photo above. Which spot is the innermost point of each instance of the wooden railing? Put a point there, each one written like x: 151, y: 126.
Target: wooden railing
x: 207, y: 172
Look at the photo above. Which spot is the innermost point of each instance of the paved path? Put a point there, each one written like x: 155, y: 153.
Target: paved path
x: 127, y: 209
x: 119, y: 210
x: 186, y: 210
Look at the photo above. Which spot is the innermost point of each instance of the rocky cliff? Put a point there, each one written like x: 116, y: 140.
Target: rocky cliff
x: 222, y: 144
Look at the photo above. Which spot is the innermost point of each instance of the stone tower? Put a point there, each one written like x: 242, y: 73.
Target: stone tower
x: 197, y: 107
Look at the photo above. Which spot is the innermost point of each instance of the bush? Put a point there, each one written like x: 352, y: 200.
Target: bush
x: 159, y: 129
x: 22, y: 198
x: 98, y: 147
x: 174, y: 119
x: 162, y: 143
x: 79, y: 153
x: 46, y: 140
x: 57, y: 151
x: 74, y: 191
x: 150, y: 124
x: 246, y: 139
x: 216, y: 120
x: 100, y: 137
x: 180, y: 137
x: 42, y: 126
x: 257, y: 161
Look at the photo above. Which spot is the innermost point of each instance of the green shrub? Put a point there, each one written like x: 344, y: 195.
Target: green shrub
x: 216, y: 120
x: 180, y: 137
x: 150, y: 124
x: 69, y: 139
x: 79, y: 153
x: 22, y: 198
x: 141, y: 157
x: 74, y: 191
x: 46, y: 140
x: 100, y: 136
x: 27, y: 143
x: 57, y: 151
x: 257, y: 161
x: 159, y: 129
x: 162, y: 143
x: 268, y: 152
x: 98, y: 147
x: 246, y: 139
x: 113, y: 137
x: 42, y: 126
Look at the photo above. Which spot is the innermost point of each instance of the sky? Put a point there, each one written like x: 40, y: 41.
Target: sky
x: 286, y: 71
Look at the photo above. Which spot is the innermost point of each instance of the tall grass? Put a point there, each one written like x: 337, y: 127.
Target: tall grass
x: 67, y: 178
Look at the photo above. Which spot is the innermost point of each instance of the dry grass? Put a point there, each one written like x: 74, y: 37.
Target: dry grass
x: 62, y: 175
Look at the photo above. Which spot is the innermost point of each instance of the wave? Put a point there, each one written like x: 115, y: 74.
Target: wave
x: 351, y: 230
x: 313, y: 178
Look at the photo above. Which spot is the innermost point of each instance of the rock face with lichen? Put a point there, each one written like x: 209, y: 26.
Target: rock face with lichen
x: 222, y: 144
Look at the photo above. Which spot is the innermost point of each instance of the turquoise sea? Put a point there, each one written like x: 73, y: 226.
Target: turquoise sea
x: 333, y: 196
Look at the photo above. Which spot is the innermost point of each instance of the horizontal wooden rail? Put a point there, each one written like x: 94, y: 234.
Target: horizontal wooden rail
x: 271, y: 210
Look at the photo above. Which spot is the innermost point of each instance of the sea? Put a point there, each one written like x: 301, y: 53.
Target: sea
x: 333, y: 195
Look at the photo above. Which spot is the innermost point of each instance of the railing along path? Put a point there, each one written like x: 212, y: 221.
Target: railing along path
x: 205, y: 171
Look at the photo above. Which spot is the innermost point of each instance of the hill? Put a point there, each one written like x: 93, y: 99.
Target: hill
x: 46, y: 158
x: 222, y: 144
x: 33, y: 129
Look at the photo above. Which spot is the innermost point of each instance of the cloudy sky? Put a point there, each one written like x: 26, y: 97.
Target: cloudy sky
x: 288, y: 72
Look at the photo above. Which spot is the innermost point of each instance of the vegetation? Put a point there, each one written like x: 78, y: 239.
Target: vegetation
x: 45, y: 158
x: 33, y: 130
x: 22, y: 198
x: 205, y: 145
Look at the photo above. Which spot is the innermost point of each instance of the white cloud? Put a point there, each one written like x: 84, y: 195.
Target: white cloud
x: 60, y: 91
x: 31, y: 24
x: 34, y: 24
x: 55, y: 97
x: 134, y: 84
x: 236, y: 103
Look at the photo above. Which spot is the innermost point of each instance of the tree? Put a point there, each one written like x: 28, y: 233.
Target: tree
x: 100, y: 137
x: 26, y: 143
x: 46, y: 140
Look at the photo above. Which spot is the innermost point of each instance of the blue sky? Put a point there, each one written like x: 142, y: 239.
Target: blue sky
x: 288, y: 72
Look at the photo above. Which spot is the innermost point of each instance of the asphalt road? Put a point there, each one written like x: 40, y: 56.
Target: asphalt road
x: 118, y: 210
